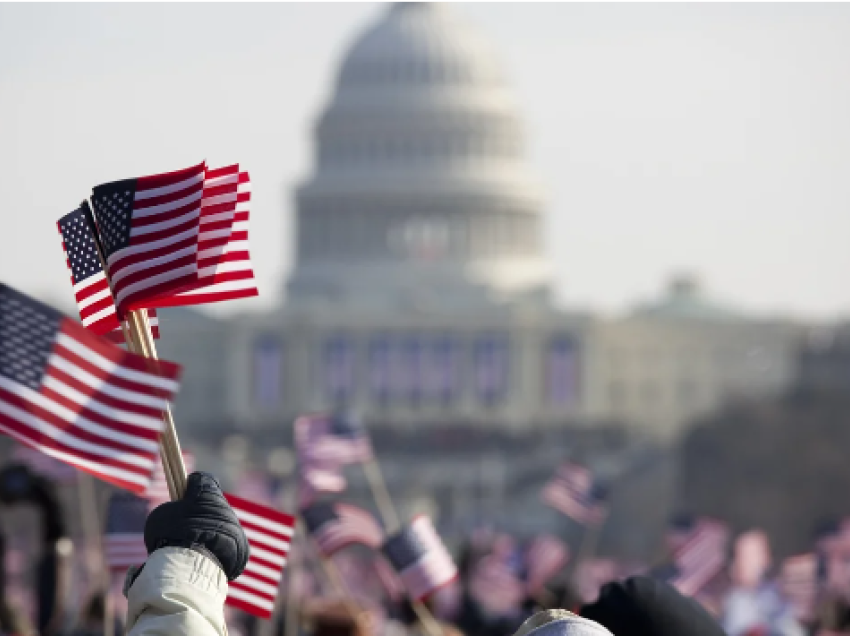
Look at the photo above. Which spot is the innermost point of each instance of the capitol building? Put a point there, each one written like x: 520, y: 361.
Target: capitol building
x: 420, y: 292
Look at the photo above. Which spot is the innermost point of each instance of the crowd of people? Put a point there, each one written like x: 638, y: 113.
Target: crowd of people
x: 196, y: 545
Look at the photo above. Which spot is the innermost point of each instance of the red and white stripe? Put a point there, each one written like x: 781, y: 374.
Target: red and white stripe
x: 701, y: 556
x: 161, y: 256
x: 98, y: 408
x: 225, y: 271
x: 435, y: 569
x: 545, y: 558
x: 269, y: 534
x: 38, y: 462
x: 94, y: 298
x: 122, y: 550
x: 352, y: 525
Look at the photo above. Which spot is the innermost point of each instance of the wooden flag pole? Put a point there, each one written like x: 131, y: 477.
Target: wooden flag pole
x: 139, y: 339
x: 134, y: 344
x: 587, y: 548
x: 338, y: 583
x: 140, y: 330
x: 108, y: 607
x: 392, y: 524
x: 91, y: 525
x: 381, y: 495
x: 292, y: 618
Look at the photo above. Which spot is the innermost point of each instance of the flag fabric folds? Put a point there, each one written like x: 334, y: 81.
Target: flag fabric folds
x: 315, y: 479
x: 124, y: 537
x: 575, y: 492
x: 78, y: 398
x: 91, y: 287
x: 44, y: 465
x: 419, y: 557
x: 224, y: 259
x: 545, y: 557
x: 269, y: 535
x: 88, y: 280
x: 149, y: 228
x: 700, y: 555
x: 496, y: 582
x: 331, y: 440
x: 334, y: 526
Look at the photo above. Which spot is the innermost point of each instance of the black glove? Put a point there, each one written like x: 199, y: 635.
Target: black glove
x: 643, y: 606
x: 202, y: 521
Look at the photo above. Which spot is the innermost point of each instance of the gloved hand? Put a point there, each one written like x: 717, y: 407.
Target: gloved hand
x: 643, y: 606
x: 202, y: 521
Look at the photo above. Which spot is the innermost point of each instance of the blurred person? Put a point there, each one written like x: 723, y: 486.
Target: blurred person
x: 12, y: 620
x: 644, y: 606
x: 18, y: 485
x: 195, y: 546
x: 833, y: 617
x: 92, y: 617
x: 758, y: 610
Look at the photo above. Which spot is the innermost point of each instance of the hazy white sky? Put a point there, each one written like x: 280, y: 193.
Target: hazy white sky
x: 713, y: 138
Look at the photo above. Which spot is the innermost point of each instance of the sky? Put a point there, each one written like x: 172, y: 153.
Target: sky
x: 704, y: 138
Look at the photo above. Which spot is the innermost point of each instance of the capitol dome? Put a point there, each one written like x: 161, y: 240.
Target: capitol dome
x: 420, y: 188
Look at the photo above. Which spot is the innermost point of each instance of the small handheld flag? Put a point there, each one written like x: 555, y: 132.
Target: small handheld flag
x: 269, y: 535
x: 419, y: 557
x: 334, y: 526
x: 575, y: 492
x: 124, y: 539
x: 91, y: 289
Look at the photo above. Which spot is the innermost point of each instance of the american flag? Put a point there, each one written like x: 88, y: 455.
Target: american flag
x: 314, y: 479
x: 44, y: 465
x: 334, y: 526
x: 833, y: 545
x: 257, y: 486
x: 224, y: 260
x: 124, y: 539
x: 149, y: 230
x: 800, y: 582
x: 545, y: 557
x: 78, y: 398
x: 419, y: 557
x: 269, y: 534
x: 574, y: 492
x: 91, y: 289
x: 334, y: 440
x: 389, y: 579
x: 157, y: 491
x: 700, y: 556
x: 496, y: 584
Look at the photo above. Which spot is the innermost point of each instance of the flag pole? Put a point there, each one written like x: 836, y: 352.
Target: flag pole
x: 587, y: 547
x: 135, y: 345
x: 291, y: 625
x: 108, y: 607
x: 381, y: 495
x: 338, y: 583
x: 139, y: 327
x: 141, y: 341
x: 384, y: 501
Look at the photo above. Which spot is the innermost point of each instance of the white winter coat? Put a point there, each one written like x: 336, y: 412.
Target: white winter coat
x: 179, y: 592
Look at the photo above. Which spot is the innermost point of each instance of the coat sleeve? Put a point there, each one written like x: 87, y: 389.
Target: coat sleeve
x: 179, y: 592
